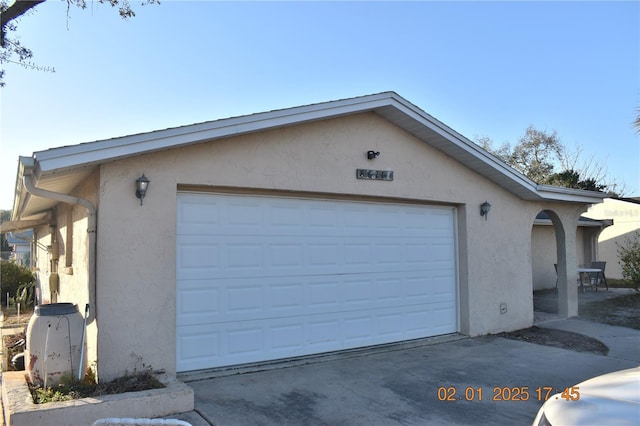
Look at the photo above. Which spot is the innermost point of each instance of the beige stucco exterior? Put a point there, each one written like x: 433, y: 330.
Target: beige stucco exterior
x: 63, y: 249
x: 138, y: 277
x: 135, y: 301
x: 626, y: 221
x: 544, y: 256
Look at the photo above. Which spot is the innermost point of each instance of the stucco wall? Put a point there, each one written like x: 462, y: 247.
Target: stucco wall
x: 67, y: 253
x: 544, y: 254
x: 626, y: 220
x: 136, y: 244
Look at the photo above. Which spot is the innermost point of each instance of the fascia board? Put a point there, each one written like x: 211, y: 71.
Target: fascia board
x: 456, y: 145
x: 21, y: 196
x: 540, y: 192
x: 581, y: 223
x: 558, y: 193
x: 466, y: 146
x: 95, y: 152
x: 69, y: 157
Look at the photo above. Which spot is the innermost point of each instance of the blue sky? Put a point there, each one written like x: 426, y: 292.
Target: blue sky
x: 483, y: 68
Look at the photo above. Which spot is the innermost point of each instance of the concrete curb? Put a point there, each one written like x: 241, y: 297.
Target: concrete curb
x: 623, y: 342
x: 20, y: 410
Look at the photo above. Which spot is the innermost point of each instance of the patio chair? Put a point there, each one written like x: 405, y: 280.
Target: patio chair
x: 115, y: 421
x: 578, y: 281
x: 599, y: 278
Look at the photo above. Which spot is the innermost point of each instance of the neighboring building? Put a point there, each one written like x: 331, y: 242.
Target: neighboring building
x: 305, y: 230
x: 625, y: 213
x: 21, y: 245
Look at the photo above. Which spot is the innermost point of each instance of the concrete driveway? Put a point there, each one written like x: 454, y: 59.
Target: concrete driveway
x: 401, y: 385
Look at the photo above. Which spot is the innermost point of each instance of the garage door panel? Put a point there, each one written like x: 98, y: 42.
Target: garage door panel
x: 440, y: 288
x: 246, y: 341
x: 196, y: 256
x: 245, y: 300
x: 417, y: 321
x: 261, y: 340
x: 315, y: 217
x: 285, y: 297
x: 359, y: 331
x: 244, y: 214
x: 287, y: 337
x: 230, y: 300
x: 391, y: 326
x: 323, y: 253
x: 262, y: 278
x: 197, y: 303
x: 357, y: 293
x: 238, y: 257
x: 244, y: 256
x: 283, y: 256
x: 357, y: 253
x: 197, y: 347
x: 195, y: 212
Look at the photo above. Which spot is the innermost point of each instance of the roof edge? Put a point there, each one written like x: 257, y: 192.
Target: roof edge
x: 560, y: 193
x: 42, y: 163
x: 68, y: 157
x: 25, y: 166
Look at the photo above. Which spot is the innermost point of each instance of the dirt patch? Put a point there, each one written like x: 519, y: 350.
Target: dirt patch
x: 10, y: 317
x: 13, y: 345
x: 88, y: 388
x: 623, y: 311
x: 559, y: 339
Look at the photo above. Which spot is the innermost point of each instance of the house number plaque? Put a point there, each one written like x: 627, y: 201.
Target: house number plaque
x: 374, y: 174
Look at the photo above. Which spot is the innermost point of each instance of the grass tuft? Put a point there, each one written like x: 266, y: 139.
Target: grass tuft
x: 66, y: 391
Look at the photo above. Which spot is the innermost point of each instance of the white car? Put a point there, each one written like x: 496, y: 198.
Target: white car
x: 610, y: 399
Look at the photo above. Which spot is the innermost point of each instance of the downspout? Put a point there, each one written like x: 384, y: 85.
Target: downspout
x: 91, y: 230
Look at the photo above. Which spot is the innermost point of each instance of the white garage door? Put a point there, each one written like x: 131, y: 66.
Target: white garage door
x: 262, y: 278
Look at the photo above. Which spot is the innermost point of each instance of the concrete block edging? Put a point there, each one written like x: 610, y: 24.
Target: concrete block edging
x: 19, y: 409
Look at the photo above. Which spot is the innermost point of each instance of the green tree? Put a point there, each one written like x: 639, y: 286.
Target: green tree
x: 543, y: 158
x: 536, y: 154
x: 629, y: 259
x: 11, y: 50
x: 5, y: 249
x: 12, y: 277
x: 503, y: 152
x: 572, y: 179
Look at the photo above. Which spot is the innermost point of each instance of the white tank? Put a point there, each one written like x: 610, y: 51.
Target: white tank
x: 54, y: 336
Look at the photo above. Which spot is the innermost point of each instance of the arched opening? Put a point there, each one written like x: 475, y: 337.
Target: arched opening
x: 545, y: 231
x: 562, y: 244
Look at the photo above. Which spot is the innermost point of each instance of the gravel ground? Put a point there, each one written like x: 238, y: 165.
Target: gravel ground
x: 619, y: 307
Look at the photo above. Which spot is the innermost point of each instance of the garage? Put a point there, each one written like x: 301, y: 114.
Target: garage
x: 261, y: 278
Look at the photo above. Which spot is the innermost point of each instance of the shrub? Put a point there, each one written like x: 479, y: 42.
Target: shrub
x: 69, y: 389
x: 629, y: 259
x: 12, y: 277
x: 24, y: 295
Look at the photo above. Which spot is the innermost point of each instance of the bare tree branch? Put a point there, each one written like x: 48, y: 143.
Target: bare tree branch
x: 16, y: 10
x: 11, y: 47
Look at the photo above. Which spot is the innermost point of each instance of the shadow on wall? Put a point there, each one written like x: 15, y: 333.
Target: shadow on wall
x: 608, y: 250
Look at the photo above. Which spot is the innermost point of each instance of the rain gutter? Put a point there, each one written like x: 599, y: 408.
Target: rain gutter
x: 91, y: 231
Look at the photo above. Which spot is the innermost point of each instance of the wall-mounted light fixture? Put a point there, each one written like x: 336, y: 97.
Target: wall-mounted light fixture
x: 484, y: 209
x: 372, y: 154
x: 142, y: 183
